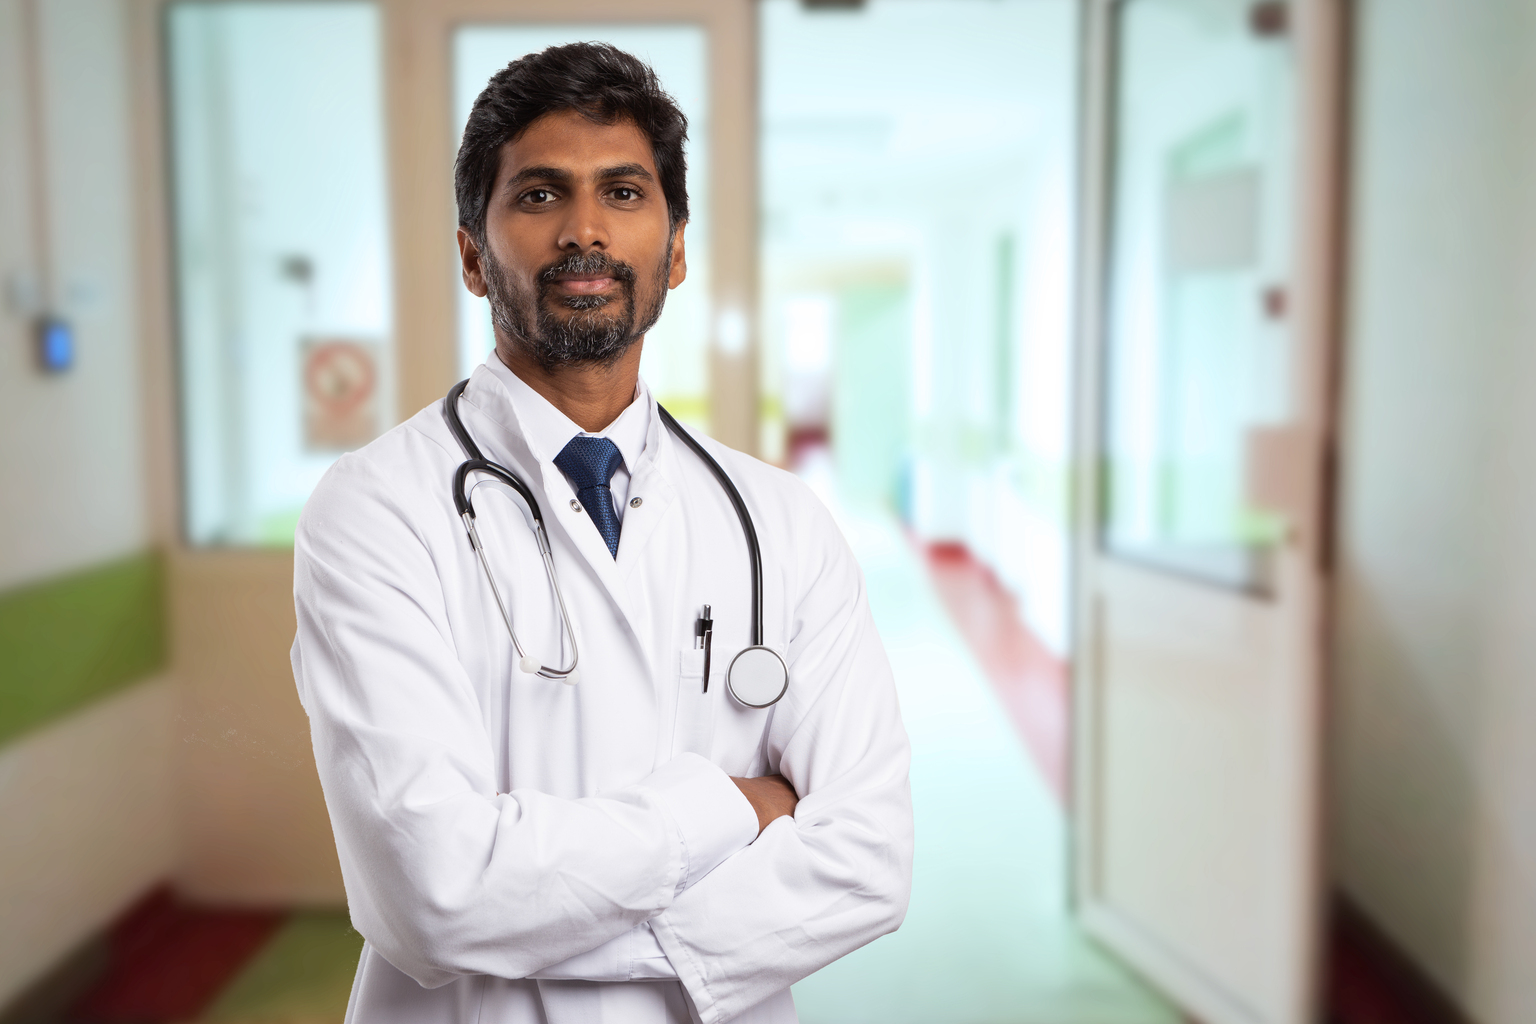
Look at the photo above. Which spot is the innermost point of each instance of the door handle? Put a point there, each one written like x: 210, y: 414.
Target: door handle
x: 1278, y: 473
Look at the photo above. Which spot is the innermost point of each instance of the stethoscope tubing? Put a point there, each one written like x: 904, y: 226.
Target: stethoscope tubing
x: 478, y: 463
x: 754, y: 550
x: 568, y: 671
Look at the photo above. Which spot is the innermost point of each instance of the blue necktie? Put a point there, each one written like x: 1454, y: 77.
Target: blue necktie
x: 590, y: 462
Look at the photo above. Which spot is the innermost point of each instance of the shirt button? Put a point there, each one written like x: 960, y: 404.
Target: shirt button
x: 575, y: 505
x: 635, y: 502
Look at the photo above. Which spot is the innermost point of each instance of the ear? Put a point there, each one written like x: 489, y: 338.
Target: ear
x: 679, y: 268
x: 469, y: 264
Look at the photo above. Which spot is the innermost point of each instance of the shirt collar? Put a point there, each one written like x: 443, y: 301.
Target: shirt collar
x: 547, y: 430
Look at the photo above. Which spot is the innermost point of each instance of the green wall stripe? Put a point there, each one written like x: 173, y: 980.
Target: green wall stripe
x: 67, y: 641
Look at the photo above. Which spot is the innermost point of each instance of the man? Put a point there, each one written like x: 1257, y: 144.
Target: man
x: 629, y: 843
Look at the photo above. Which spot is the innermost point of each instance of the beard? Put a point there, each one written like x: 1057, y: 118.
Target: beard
x: 575, y: 329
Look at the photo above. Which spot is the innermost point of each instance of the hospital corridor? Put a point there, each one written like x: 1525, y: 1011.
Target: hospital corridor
x: 944, y: 512
x: 988, y: 936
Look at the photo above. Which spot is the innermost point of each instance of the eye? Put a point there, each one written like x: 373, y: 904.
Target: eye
x: 625, y: 194
x: 538, y: 196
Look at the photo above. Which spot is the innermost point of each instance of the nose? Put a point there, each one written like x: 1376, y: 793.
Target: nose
x: 585, y: 226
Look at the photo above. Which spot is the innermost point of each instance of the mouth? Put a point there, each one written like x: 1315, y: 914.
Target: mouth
x: 585, y: 284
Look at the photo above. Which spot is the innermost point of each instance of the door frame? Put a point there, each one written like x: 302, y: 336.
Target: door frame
x: 1303, y: 470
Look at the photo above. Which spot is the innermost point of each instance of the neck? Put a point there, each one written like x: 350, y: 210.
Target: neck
x: 592, y: 395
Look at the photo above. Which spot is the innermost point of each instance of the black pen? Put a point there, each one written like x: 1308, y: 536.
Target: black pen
x: 706, y: 625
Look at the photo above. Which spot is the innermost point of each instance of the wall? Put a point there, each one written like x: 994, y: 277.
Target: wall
x: 1435, y: 814
x: 255, y: 828
x: 89, y: 825
x: 86, y: 782
x: 76, y: 438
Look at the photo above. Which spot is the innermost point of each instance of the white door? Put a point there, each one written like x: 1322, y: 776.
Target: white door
x: 1205, y: 413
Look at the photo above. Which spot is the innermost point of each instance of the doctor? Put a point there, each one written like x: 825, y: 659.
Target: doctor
x: 635, y: 844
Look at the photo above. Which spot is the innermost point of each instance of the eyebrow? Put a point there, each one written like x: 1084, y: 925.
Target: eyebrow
x: 564, y: 177
x: 528, y: 174
x: 625, y: 171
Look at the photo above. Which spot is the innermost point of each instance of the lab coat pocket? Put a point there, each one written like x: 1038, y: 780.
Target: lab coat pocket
x: 693, y: 730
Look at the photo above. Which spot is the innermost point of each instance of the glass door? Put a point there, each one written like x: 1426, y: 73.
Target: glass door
x: 282, y: 255
x: 1204, y: 405
x: 1202, y: 204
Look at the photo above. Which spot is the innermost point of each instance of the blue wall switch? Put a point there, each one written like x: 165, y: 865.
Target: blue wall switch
x: 55, y: 345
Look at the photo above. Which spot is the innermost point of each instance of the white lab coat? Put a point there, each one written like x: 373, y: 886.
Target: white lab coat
x: 509, y: 843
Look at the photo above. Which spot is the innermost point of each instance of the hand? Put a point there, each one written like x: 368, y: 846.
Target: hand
x: 770, y: 796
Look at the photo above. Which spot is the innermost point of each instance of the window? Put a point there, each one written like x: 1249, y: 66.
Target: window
x: 282, y: 255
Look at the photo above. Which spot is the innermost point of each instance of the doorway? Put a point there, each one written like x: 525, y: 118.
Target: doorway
x: 916, y: 227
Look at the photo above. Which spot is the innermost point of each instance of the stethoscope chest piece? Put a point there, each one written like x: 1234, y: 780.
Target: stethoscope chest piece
x: 757, y: 677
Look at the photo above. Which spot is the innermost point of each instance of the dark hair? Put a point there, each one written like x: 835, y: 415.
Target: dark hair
x: 602, y: 83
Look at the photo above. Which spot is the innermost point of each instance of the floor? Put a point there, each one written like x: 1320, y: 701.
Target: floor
x: 172, y: 962
x: 987, y: 939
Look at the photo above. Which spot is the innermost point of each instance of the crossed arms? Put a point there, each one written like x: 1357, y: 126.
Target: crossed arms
x: 446, y: 877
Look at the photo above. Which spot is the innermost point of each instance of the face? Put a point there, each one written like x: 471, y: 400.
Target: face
x: 578, y: 253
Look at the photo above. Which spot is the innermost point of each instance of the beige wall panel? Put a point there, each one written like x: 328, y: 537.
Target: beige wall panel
x: 1435, y: 733
x: 88, y: 826
x: 253, y: 817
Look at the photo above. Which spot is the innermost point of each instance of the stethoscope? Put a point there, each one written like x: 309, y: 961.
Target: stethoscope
x: 757, y: 676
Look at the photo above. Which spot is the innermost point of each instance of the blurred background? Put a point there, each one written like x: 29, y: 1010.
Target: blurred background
x: 1161, y: 361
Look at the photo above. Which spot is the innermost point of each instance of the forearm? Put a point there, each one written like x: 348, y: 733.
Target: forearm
x: 510, y: 884
x: 809, y: 891
x: 636, y: 954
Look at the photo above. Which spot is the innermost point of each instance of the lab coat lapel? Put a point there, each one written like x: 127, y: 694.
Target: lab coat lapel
x: 652, y: 481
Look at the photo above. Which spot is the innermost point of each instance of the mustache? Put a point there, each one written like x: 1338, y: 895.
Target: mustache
x: 594, y: 262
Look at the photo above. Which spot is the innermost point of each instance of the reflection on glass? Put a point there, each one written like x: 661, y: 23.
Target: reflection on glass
x: 1197, y: 344
x: 282, y: 255
x: 675, y: 363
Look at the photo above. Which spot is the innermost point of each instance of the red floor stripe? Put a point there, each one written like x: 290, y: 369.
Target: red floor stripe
x: 170, y: 961
x: 1030, y: 680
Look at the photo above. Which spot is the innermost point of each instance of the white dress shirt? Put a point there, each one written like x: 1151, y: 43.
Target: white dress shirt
x: 549, y: 430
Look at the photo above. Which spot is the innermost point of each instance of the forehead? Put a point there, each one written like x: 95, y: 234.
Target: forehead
x: 568, y: 141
